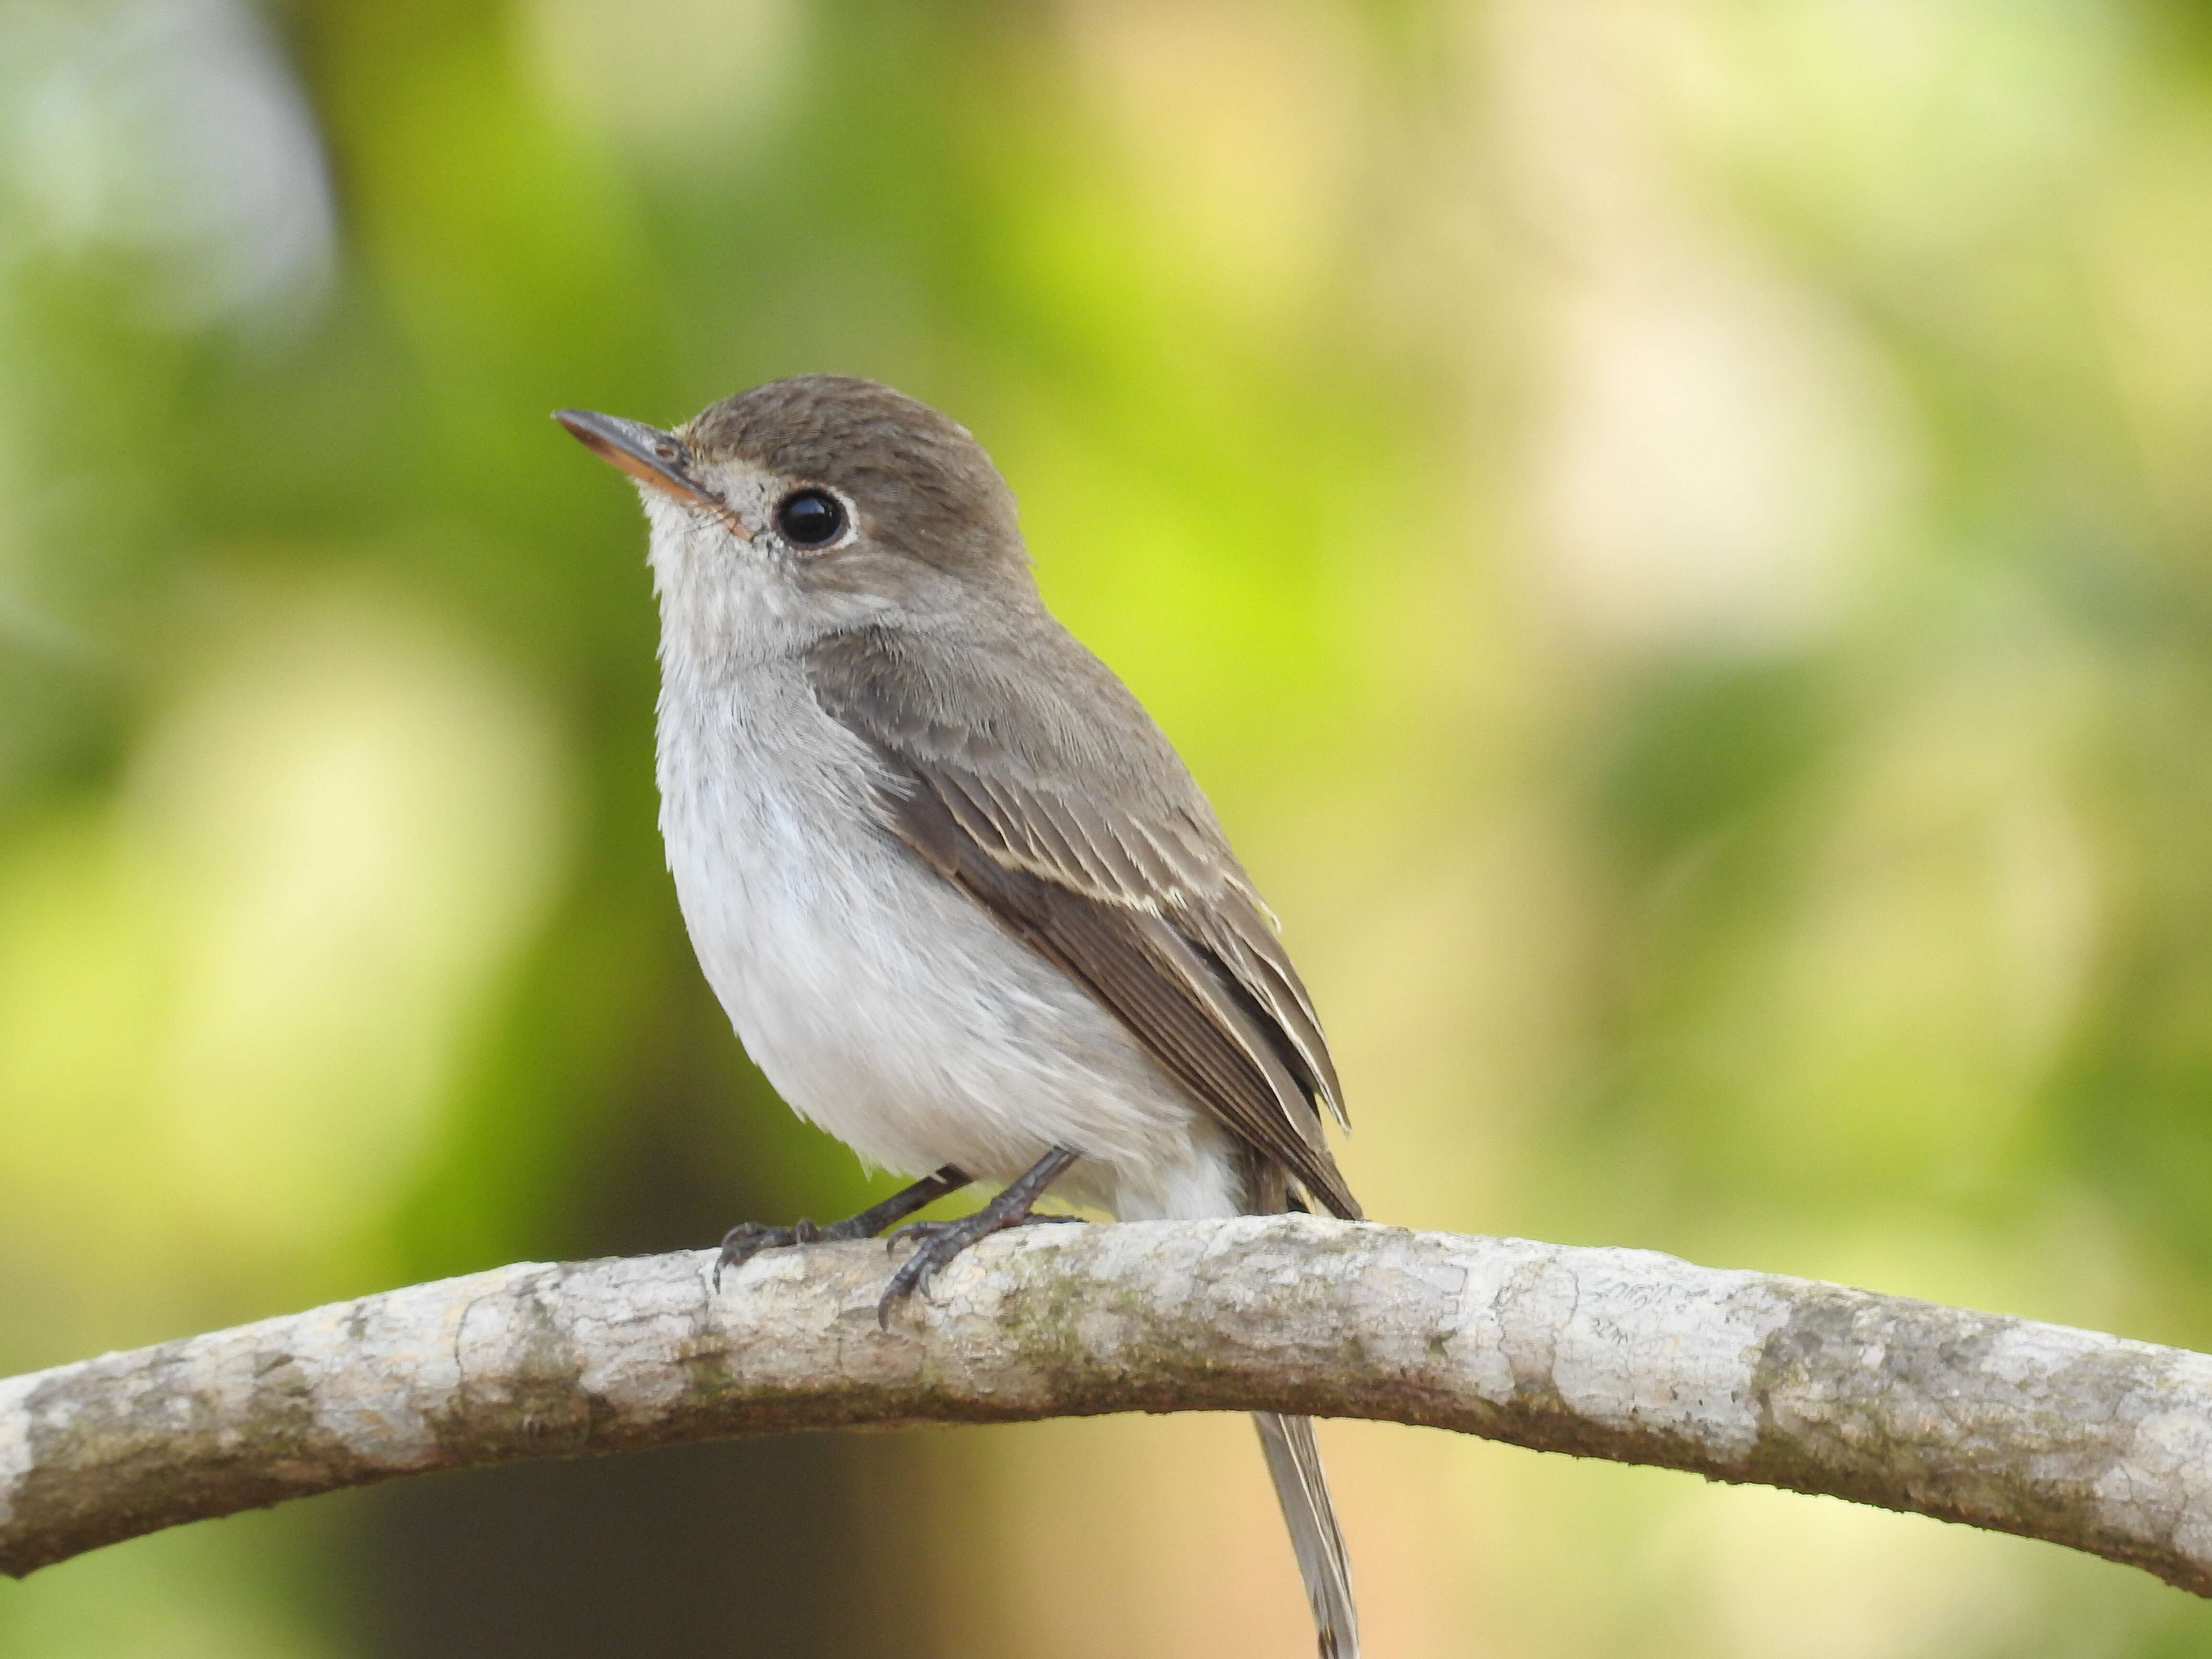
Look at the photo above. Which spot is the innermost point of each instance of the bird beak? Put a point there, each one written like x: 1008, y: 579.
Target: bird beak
x: 648, y: 454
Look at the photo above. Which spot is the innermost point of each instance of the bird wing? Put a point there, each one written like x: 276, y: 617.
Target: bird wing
x: 1140, y: 901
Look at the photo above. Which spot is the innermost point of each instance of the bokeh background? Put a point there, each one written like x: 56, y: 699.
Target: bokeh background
x: 1678, y: 533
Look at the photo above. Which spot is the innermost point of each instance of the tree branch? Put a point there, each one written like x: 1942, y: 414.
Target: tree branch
x: 2086, y: 1440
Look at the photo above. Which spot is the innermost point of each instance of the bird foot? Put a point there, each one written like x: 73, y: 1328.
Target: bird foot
x: 937, y: 1242
x: 749, y: 1239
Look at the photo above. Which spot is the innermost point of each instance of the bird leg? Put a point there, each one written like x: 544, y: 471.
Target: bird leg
x: 940, y: 1241
x: 748, y: 1238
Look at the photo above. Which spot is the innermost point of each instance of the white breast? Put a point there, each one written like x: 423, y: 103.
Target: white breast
x: 882, y: 1002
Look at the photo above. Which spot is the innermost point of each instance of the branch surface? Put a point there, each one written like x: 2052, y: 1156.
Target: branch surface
x: 2086, y: 1440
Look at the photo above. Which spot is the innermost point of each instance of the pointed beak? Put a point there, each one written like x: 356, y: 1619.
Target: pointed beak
x: 648, y: 454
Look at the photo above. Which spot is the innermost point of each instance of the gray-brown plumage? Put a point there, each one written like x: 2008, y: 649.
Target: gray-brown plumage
x: 963, y: 901
x: 1132, y: 892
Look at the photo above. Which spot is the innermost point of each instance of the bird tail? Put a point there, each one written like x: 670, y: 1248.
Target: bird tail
x: 1294, y: 1460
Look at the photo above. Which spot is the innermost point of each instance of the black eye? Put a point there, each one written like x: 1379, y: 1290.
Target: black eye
x: 810, y: 518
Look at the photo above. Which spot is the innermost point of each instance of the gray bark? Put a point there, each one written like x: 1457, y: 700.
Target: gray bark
x: 2083, y: 1439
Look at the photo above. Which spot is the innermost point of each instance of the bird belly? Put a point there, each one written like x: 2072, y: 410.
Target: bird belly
x: 888, y: 1008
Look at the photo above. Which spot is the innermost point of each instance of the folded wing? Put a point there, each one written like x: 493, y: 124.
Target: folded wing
x: 1094, y: 847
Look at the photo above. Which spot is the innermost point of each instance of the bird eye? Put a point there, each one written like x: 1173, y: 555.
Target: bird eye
x: 810, y: 518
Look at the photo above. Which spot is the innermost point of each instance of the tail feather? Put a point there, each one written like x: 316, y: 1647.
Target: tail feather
x: 1294, y: 1460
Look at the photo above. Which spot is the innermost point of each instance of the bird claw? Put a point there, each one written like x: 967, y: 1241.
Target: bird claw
x: 937, y: 1242
x: 749, y: 1239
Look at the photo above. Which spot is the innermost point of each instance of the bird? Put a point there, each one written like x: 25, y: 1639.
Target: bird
x: 965, y: 906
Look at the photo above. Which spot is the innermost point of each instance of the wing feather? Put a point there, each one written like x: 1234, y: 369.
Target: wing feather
x: 1249, y: 944
x: 1143, y: 905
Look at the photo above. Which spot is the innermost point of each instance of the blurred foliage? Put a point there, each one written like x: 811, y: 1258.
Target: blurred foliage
x: 1676, y: 533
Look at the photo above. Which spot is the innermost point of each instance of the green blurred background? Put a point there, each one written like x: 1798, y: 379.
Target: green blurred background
x: 1678, y: 533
